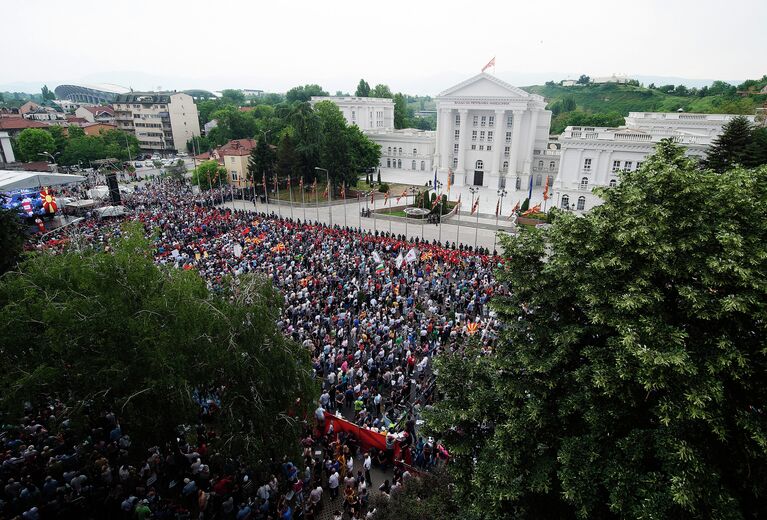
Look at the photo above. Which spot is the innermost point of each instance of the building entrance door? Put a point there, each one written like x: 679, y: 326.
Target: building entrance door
x: 479, y: 177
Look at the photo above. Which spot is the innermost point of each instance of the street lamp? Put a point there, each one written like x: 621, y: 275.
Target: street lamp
x: 52, y: 158
x: 475, y: 190
x: 330, y: 210
x: 501, y: 194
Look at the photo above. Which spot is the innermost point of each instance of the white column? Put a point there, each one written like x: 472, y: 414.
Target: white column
x: 461, y: 170
x: 497, y: 149
x: 445, y: 138
x: 531, y: 130
x: 515, y: 137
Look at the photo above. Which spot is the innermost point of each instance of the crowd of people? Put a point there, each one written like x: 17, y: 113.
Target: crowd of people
x: 372, y: 308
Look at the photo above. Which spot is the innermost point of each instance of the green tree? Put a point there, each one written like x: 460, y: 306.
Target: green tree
x: 177, y: 170
x: 381, y: 91
x: 525, y: 205
x: 568, y: 104
x: 304, y: 93
x: 232, y: 96
x: 363, y: 152
x: 140, y: 340
x: 59, y: 137
x: 75, y: 131
x: 334, y: 151
x: 209, y: 174
x: 261, y: 162
x: 48, y: 95
x: 756, y: 151
x: 11, y: 239
x: 199, y: 144
x: 730, y: 148
x: 363, y: 89
x: 583, y: 80
x: 232, y: 124
x: 629, y: 376
x: 428, y: 496
x: 287, y: 159
x: 400, y: 111
x: 34, y: 142
x: 307, y: 136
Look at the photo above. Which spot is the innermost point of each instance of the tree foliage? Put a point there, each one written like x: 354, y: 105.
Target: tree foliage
x: 334, y: 151
x: 287, y: 160
x: 629, y: 379
x: 261, y: 162
x: 363, y: 89
x: 33, y: 143
x: 381, y: 91
x: 209, y: 174
x: 11, y: 239
x: 739, y: 143
x: 112, y: 330
x: 304, y: 93
x: 429, y: 496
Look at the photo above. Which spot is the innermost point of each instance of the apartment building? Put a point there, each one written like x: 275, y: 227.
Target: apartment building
x: 162, y: 122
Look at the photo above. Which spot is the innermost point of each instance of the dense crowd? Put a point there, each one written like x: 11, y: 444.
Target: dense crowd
x: 372, y: 308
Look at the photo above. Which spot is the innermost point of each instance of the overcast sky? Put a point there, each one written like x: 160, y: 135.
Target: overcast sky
x: 413, y: 45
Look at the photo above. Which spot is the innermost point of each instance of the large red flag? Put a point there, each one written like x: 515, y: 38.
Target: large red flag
x: 514, y: 210
x: 497, y: 206
x: 490, y: 63
x: 475, y: 207
x: 403, y: 194
x: 546, y: 189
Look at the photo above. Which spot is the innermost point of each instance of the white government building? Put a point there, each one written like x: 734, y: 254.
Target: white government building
x: 496, y: 136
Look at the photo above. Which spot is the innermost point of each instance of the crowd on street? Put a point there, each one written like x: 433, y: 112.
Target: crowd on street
x: 373, y: 310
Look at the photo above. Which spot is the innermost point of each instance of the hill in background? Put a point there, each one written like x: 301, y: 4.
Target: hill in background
x: 607, y: 104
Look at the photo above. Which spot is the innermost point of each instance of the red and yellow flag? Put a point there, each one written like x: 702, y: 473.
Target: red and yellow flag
x: 546, y: 189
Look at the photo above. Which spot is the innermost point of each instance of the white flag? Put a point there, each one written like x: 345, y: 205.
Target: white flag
x: 411, y: 256
x: 377, y: 257
x: 400, y: 260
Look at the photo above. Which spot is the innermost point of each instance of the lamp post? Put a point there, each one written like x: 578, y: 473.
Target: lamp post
x: 330, y: 209
x: 52, y: 157
x: 475, y: 190
x: 501, y: 194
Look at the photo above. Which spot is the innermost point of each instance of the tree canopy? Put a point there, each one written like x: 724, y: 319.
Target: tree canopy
x: 739, y: 143
x: 629, y: 380
x: 304, y: 93
x: 11, y: 239
x: 34, y: 143
x: 209, y: 174
x: 113, y: 330
x: 363, y: 89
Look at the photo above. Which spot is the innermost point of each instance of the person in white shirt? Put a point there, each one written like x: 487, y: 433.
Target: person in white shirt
x: 333, y: 485
x: 368, y: 462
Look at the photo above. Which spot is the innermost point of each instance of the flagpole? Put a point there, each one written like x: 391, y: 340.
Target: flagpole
x: 317, y: 197
x: 359, y: 210
x: 458, y: 217
x: 439, y: 221
x: 290, y: 193
x: 389, y: 201
x: 373, y: 213
x: 303, y: 203
x: 266, y: 193
x: 330, y: 208
x: 343, y: 199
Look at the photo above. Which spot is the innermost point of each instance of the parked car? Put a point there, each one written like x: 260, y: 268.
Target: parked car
x: 138, y: 164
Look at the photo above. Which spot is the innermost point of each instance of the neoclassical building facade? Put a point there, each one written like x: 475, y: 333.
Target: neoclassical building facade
x: 492, y: 134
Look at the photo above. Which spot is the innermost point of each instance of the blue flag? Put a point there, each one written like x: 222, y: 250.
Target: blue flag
x: 435, y: 179
x: 530, y: 191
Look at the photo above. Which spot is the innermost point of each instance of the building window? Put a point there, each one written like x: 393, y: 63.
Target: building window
x: 476, y: 119
x: 473, y: 135
x: 354, y: 114
x: 482, y: 148
x: 518, y: 184
x: 489, y: 148
x: 412, y: 165
x: 552, y: 165
x: 639, y: 164
x: 399, y: 163
x: 415, y: 151
x: 232, y: 158
x: 581, y: 203
x: 508, y: 137
x: 627, y: 165
x: 479, y: 165
x: 455, y: 162
x: 388, y: 163
x: 540, y: 165
x: 400, y: 150
x: 509, y: 120
x: 457, y: 134
x: 505, y: 166
x: 482, y: 135
x: 423, y: 165
x: 616, y: 166
x: 613, y: 183
x: 388, y: 151
x: 502, y: 183
x: 585, y: 183
x: 455, y: 148
x: 550, y: 180
x: 490, y: 135
x: 457, y: 119
x: 587, y: 164
x: 538, y: 180
x: 565, y: 202
x: 234, y: 174
x: 506, y: 150
x: 484, y: 121
x: 491, y: 121
x: 474, y: 147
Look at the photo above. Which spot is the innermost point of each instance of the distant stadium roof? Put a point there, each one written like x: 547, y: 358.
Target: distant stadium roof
x: 17, y: 180
x: 90, y: 93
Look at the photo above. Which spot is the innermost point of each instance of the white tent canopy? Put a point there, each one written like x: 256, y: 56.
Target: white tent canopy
x: 19, y: 180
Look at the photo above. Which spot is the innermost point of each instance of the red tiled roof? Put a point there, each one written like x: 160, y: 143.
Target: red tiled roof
x: 75, y: 119
x: 100, y: 109
x: 36, y: 166
x: 237, y: 147
x: 15, y: 123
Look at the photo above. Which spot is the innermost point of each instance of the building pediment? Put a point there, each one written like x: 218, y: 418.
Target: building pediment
x: 484, y: 85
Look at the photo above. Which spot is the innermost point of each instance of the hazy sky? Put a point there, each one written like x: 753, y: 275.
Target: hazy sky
x: 414, y: 46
